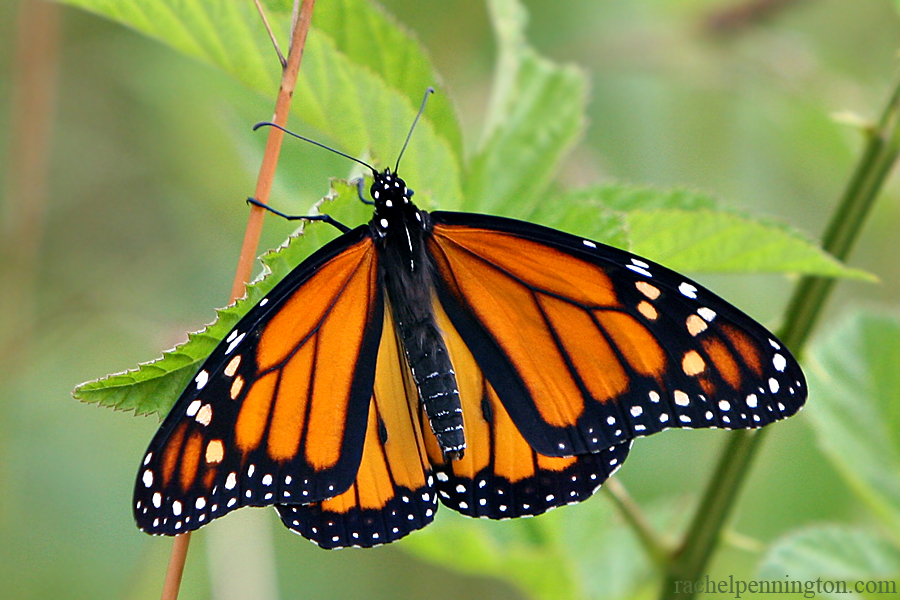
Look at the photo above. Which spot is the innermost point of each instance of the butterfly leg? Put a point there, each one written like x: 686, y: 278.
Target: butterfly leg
x: 324, y: 218
x: 360, y: 190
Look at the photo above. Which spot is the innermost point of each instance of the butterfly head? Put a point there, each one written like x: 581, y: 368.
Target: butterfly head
x: 393, y: 204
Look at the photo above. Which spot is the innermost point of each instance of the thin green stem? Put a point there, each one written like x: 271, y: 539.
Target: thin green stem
x: 804, y: 308
x: 631, y: 512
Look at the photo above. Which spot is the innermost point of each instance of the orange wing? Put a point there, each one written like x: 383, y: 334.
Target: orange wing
x: 500, y: 475
x: 587, y: 346
x: 393, y: 493
x: 278, y: 411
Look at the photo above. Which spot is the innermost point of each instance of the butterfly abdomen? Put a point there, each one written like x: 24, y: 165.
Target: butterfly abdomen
x: 433, y: 373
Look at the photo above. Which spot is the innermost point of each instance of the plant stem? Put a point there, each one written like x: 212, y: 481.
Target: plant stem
x: 804, y: 308
x: 254, y: 229
x: 33, y: 93
x: 632, y: 513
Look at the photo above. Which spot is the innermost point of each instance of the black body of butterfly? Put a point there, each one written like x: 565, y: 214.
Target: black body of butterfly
x: 497, y: 365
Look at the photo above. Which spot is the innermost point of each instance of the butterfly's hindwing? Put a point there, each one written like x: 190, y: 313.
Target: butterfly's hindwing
x: 588, y: 346
x: 393, y: 493
x: 500, y: 475
x: 261, y: 422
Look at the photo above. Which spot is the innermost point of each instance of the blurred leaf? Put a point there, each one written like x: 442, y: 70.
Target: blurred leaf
x: 360, y: 108
x: 536, y: 115
x: 716, y: 241
x: 854, y: 377
x: 687, y: 231
x: 832, y: 553
x: 599, y: 213
x: 388, y: 49
x: 575, y: 552
x: 156, y: 385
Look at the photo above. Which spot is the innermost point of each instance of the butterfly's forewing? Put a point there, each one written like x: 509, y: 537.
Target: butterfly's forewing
x: 500, y: 475
x: 278, y: 411
x: 587, y: 345
x: 393, y: 493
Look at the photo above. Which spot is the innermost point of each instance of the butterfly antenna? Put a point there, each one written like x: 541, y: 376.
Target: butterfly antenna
x: 315, y: 143
x: 428, y: 92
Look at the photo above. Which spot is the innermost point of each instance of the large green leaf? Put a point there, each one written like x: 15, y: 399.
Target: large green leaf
x: 854, y: 380
x: 687, y: 231
x: 725, y: 242
x: 154, y: 386
x: 834, y: 554
x: 362, y: 96
x: 537, y: 114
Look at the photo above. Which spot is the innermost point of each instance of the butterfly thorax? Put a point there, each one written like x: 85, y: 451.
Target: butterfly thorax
x: 400, y: 230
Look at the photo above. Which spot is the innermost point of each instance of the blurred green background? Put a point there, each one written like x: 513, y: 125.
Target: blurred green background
x: 151, y: 159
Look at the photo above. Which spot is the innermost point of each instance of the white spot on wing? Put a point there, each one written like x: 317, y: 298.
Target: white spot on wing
x: 688, y: 290
x: 708, y: 314
x: 193, y: 407
x: 234, y: 343
x: 779, y: 362
x: 201, y: 379
x: 640, y: 270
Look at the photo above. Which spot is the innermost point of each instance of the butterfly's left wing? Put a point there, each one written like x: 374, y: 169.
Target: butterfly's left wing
x: 588, y: 346
x: 393, y: 493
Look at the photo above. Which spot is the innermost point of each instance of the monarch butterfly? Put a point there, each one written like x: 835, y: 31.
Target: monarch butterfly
x: 499, y: 366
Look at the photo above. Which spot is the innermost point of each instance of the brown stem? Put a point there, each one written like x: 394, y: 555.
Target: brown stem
x: 254, y: 228
x: 32, y: 112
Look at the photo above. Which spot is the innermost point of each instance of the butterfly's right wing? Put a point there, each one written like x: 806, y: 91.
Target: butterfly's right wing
x: 278, y: 411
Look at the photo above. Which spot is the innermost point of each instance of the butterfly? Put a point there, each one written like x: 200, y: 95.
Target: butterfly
x: 497, y: 366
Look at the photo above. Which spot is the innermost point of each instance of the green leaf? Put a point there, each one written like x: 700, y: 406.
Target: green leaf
x: 687, y: 231
x: 536, y: 115
x: 600, y: 213
x: 360, y: 105
x: 156, y: 385
x: 725, y: 242
x: 832, y: 553
x: 388, y: 49
x: 854, y: 381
